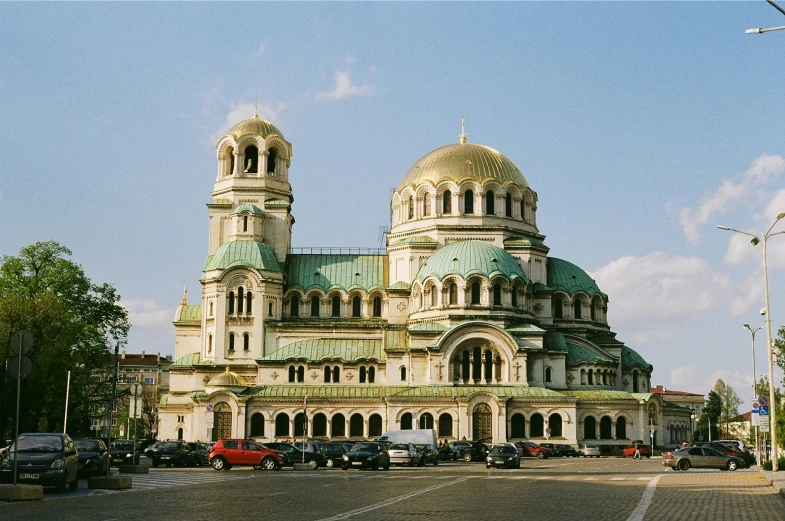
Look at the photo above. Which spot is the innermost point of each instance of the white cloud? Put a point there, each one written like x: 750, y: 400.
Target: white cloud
x: 648, y: 337
x: 240, y: 111
x: 760, y: 172
x: 691, y: 378
x: 740, y: 251
x: 146, y: 313
x: 259, y: 51
x: 344, y: 88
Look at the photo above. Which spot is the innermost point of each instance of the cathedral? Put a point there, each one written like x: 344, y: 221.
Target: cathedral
x: 464, y: 323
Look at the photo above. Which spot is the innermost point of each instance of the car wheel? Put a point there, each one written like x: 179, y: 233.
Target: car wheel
x: 387, y: 466
x: 268, y: 463
x: 541, y: 455
x: 467, y: 457
x: 684, y: 464
x: 330, y: 463
x: 732, y: 465
x: 218, y: 463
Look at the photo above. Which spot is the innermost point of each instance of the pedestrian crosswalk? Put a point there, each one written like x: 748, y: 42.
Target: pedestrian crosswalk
x: 167, y: 479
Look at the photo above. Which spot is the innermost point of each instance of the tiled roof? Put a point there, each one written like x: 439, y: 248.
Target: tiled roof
x: 577, y: 354
x: 630, y: 358
x: 248, y: 207
x: 400, y: 285
x: 472, y: 257
x: 341, y: 271
x: 602, y: 394
x: 429, y: 326
x: 190, y: 313
x: 192, y: 360
x: 220, y: 202
x: 568, y: 277
x: 317, y: 350
x: 253, y: 254
x: 554, y: 341
x: 524, y: 328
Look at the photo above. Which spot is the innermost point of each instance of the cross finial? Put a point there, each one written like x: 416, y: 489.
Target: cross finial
x: 463, y: 130
x: 184, y: 302
x: 256, y: 109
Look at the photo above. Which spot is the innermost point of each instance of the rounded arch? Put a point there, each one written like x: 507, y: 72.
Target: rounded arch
x: 517, y: 426
x: 319, y: 425
x: 374, y: 425
x: 445, y: 425
x: 536, y: 426
x: 338, y: 425
x: 605, y: 428
x: 282, y: 425
x: 555, y: 425
x: 590, y: 428
x: 356, y: 425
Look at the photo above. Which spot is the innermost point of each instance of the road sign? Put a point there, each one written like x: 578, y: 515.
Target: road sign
x: 755, y: 406
x: 547, y: 431
x: 209, y: 423
x: 209, y: 407
x: 763, y: 400
x: 154, y: 427
x: 135, y: 407
x: 122, y: 429
x: 763, y: 411
x: 754, y: 416
x: 21, y: 340
x: 135, y: 389
x: 13, y: 366
x: 764, y: 427
x: 414, y: 416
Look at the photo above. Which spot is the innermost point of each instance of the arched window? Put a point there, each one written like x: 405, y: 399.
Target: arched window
x: 465, y: 364
x: 490, y: 203
x: 282, y: 425
x: 577, y: 307
x: 180, y: 433
x: 292, y: 372
x: 554, y: 423
x: 445, y: 425
x: 523, y: 211
x: 336, y: 306
x: 356, y: 307
x: 269, y: 309
x: 245, y: 223
x: 476, y: 363
x: 230, y: 160
x: 434, y: 297
x: 327, y: 373
x: 403, y: 374
x: 301, y: 374
x: 211, y: 308
x: 272, y: 157
x: 591, y: 377
x: 590, y: 428
x: 315, y: 306
x: 231, y: 341
x: 246, y: 341
x: 621, y: 428
x: 411, y: 208
x: 299, y: 425
x: 475, y: 293
x: 517, y: 426
x: 248, y: 300
x: 497, y: 294
x: 447, y: 202
x: 231, y: 302
x: 336, y: 374
x: 339, y: 425
x: 362, y: 375
x: 356, y: 426
x: 209, y: 343
x: 294, y: 309
x: 377, y: 306
x: 536, y: 425
x: 558, y: 310
x: 240, y: 299
x: 593, y: 311
x: 635, y: 381
x: 426, y: 421
x: 547, y: 374
x: 488, y: 366
x: 371, y: 374
x: 605, y: 428
x: 257, y: 424
x: 468, y: 202
x: 508, y: 205
x: 251, y: 159
x: 453, y: 294
x: 320, y: 425
x: 426, y: 204
x: 375, y: 425
x: 514, y: 297
x: 406, y: 421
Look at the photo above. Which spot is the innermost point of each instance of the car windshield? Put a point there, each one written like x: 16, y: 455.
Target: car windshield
x: 122, y: 445
x: 364, y: 447
x: 87, y: 445
x: 38, y: 444
x: 168, y: 445
x: 399, y: 446
x: 421, y: 447
x: 504, y: 449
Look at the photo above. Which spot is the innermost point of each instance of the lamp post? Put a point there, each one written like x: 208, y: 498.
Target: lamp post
x: 754, y: 388
x: 760, y: 30
x: 770, y: 346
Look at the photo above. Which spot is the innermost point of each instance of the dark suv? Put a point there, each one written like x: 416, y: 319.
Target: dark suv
x: 227, y: 453
x: 43, y: 459
x: 333, y: 452
x: 170, y: 453
x: 296, y: 455
x: 474, y: 452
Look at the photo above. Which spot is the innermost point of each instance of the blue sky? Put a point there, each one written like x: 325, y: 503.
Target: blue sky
x: 641, y: 126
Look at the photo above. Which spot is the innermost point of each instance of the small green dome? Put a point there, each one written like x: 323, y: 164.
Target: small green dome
x: 254, y: 126
x: 253, y: 254
x: 568, y: 277
x: 467, y: 258
x: 247, y: 207
x: 227, y: 379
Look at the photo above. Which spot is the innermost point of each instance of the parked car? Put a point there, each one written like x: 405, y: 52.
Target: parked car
x: 643, y: 450
x: 476, y: 451
x: 727, y: 449
x: 170, y: 453
x: 458, y: 447
x: 503, y: 455
x: 295, y: 455
x: 553, y: 452
x: 701, y: 457
x: 428, y: 454
x: 372, y: 455
x: 93, y: 457
x: 225, y: 454
x: 43, y: 459
x: 200, y: 454
x: 403, y: 454
x: 333, y: 452
x: 122, y: 452
x: 567, y: 451
x: 590, y: 451
x: 527, y: 449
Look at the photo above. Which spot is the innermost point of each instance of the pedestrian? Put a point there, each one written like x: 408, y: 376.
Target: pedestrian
x: 637, y: 454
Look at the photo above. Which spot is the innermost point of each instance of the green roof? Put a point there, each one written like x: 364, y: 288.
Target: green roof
x: 524, y: 328
x: 524, y: 241
x: 220, y: 202
x: 467, y: 258
x: 341, y: 271
x: 190, y: 313
x: 396, y: 339
x: 192, y: 360
x: 446, y: 392
x: 554, y: 341
x: 600, y: 394
x: 419, y: 239
x: 400, y: 285
x: 252, y: 254
x: 248, y: 207
x: 429, y: 326
x: 319, y: 349
x: 275, y: 202
x: 577, y: 354
x: 630, y: 358
x: 568, y: 277
x: 460, y: 391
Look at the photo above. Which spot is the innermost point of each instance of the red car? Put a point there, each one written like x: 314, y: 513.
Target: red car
x: 227, y: 453
x: 528, y: 449
x: 629, y: 452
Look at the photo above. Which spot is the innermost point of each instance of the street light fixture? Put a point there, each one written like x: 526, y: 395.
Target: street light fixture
x: 761, y: 30
x: 770, y: 346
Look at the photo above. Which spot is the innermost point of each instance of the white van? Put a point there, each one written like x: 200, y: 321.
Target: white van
x: 414, y: 436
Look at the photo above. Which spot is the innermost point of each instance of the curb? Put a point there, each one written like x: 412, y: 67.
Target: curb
x: 775, y: 479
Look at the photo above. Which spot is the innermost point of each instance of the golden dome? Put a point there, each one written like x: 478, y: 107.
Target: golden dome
x: 255, y: 126
x: 227, y: 379
x: 462, y: 161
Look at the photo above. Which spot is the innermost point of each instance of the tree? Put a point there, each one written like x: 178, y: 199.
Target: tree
x: 73, y: 321
x: 729, y: 404
x: 707, y: 423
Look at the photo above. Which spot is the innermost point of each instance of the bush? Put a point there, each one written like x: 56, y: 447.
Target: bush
x: 781, y: 467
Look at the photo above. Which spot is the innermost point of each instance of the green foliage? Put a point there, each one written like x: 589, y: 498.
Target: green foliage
x: 729, y: 404
x: 762, y: 387
x: 74, y: 322
x: 781, y: 465
x: 710, y: 415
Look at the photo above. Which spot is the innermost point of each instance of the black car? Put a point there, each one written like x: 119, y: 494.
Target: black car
x: 44, y: 459
x: 93, y: 457
x: 170, y: 453
x: 428, y: 454
x: 296, y: 455
x: 121, y: 452
x: 567, y: 451
x: 333, y: 452
x: 476, y: 451
x: 367, y: 455
x: 199, y: 453
x: 503, y: 456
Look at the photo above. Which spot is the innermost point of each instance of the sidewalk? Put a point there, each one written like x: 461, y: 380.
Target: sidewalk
x: 777, y: 480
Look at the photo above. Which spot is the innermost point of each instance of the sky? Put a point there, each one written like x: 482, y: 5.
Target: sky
x: 641, y: 126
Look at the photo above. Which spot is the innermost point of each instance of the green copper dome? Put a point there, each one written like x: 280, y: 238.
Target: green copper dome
x: 248, y: 207
x: 467, y: 258
x: 253, y: 254
x: 255, y: 126
x: 568, y: 277
x: 463, y: 161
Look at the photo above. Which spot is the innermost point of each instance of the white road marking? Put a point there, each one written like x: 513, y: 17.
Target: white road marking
x: 387, y: 502
x: 643, y: 505
x: 591, y: 478
x: 617, y: 479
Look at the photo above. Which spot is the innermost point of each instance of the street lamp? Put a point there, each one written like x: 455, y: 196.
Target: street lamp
x: 754, y: 388
x: 760, y: 30
x: 770, y: 346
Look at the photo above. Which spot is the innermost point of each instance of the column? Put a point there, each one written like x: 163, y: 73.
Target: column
x: 482, y: 369
x: 330, y: 427
x: 237, y: 164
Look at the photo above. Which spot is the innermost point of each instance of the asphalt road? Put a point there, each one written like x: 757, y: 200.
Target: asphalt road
x: 556, y: 489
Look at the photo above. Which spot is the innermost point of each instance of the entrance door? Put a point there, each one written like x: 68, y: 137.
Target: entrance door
x: 482, y: 426
x: 222, y: 422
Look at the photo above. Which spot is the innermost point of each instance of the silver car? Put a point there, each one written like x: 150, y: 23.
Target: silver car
x: 403, y: 454
x: 701, y: 457
x: 590, y: 451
